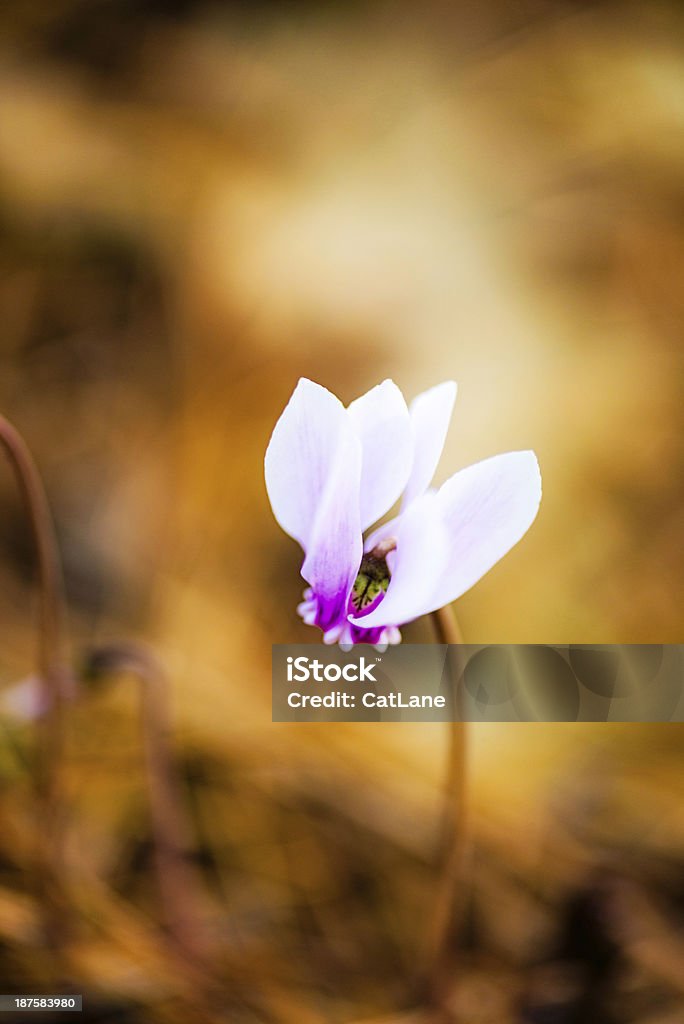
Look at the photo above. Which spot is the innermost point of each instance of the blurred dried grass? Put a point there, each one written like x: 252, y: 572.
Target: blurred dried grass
x: 198, y: 204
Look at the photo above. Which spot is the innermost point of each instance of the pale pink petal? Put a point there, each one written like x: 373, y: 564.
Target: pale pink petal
x: 430, y: 417
x: 382, y: 422
x: 486, y: 509
x: 301, y: 454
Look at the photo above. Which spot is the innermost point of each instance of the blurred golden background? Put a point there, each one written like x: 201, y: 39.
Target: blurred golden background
x: 201, y: 202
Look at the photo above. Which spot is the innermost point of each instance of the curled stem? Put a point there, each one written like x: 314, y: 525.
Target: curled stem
x: 55, y: 681
x: 178, y: 886
x: 450, y: 898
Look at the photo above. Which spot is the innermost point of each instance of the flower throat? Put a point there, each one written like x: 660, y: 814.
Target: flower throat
x: 372, y: 581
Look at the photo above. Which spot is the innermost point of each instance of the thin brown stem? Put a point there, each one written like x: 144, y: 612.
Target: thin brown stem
x: 54, y: 676
x: 178, y: 886
x: 450, y: 899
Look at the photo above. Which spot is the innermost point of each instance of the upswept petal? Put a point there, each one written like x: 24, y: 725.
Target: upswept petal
x: 486, y: 509
x: 334, y: 547
x: 422, y: 541
x: 383, y: 424
x: 301, y: 454
x: 430, y: 417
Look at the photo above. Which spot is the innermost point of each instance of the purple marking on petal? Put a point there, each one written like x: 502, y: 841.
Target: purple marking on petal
x: 341, y: 630
x: 327, y: 614
x: 330, y: 613
x: 334, y: 549
x: 355, y: 635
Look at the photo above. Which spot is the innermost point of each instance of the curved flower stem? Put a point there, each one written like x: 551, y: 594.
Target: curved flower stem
x: 450, y: 898
x: 177, y: 882
x: 55, y: 679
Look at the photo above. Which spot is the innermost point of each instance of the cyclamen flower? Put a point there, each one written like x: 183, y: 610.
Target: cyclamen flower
x: 332, y: 472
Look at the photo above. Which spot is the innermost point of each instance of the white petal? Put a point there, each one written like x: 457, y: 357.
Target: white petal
x: 382, y: 421
x: 388, y: 529
x: 335, y: 544
x: 486, y: 509
x: 300, y: 455
x: 430, y: 417
x: 416, y: 564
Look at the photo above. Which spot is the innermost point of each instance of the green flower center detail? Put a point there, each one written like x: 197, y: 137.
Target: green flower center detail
x: 373, y: 579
